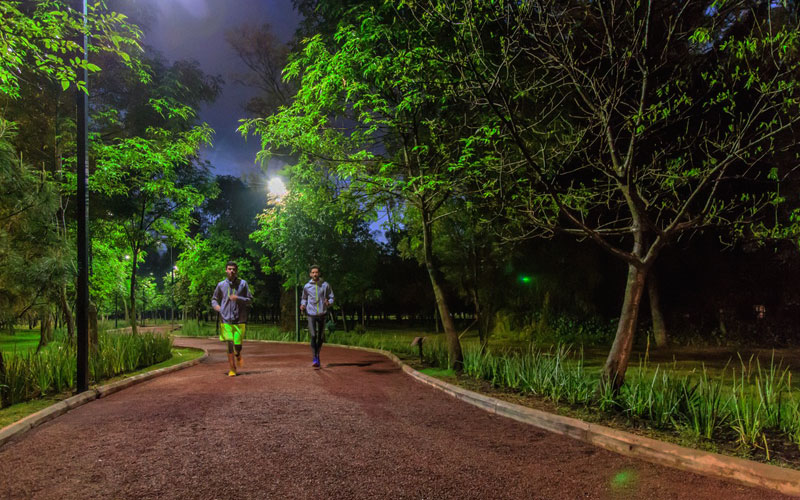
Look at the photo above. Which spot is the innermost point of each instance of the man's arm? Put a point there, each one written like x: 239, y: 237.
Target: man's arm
x: 214, y: 302
x: 330, y: 294
x: 304, y: 299
x: 245, y: 297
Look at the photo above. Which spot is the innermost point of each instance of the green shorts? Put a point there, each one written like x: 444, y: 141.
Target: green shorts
x: 235, y: 333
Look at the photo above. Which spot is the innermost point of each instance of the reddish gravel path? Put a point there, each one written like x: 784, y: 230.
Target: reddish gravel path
x: 357, y: 428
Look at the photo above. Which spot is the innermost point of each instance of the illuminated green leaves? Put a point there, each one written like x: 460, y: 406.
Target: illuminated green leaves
x: 43, y: 41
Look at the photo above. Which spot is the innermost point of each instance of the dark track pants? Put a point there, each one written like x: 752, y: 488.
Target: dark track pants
x: 316, y: 331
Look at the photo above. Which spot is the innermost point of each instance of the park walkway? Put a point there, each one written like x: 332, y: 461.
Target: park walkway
x: 357, y: 428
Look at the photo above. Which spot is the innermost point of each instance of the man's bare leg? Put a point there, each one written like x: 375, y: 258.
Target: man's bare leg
x: 232, y: 363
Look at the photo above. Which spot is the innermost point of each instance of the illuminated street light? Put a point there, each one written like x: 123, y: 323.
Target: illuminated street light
x: 277, y: 188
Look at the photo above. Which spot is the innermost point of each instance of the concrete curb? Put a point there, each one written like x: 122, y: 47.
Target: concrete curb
x: 786, y: 481
x: 46, y: 414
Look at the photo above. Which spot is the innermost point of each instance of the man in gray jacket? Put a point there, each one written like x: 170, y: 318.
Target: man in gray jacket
x: 317, y: 297
x: 231, y: 299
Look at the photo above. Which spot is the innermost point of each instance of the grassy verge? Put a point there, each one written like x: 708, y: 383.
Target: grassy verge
x: 18, y: 411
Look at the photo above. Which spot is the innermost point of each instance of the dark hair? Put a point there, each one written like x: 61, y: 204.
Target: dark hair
x: 232, y: 264
x: 314, y: 266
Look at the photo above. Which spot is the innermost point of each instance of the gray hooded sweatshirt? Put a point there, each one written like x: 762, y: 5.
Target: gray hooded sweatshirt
x: 314, y: 296
x: 233, y: 312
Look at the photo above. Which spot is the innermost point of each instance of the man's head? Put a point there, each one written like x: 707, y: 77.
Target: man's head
x: 231, y: 270
x: 314, y: 272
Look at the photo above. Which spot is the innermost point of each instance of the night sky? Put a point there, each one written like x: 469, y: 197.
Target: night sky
x: 195, y: 29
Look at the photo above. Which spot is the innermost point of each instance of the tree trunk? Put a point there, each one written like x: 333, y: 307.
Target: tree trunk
x: 483, y: 317
x: 93, y: 334
x: 46, y: 329
x: 67, y: 313
x: 5, y: 392
x: 132, y: 297
x: 344, y: 320
x: 286, y: 322
x: 659, y: 327
x: 456, y: 357
x: 619, y: 356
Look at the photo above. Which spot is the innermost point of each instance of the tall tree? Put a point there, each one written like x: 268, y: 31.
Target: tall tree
x: 32, y: 256
x: 143, y: 182
x: 313, y: 225
x: 224, y: 225
x: 265, y: 57
x: 370, y: 113
x: 38, y: 62
x: 634, y: 123
x: 472, y: 257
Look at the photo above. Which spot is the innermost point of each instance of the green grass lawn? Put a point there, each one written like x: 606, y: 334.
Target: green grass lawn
x: 18, y: 411
x: 23, y: 340
x: 438, y: 372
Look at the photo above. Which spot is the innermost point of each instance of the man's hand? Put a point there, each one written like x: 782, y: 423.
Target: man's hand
x: 327, y: 303
x: 217, y: 308
x: 234, y: 297
x: 303, y: 308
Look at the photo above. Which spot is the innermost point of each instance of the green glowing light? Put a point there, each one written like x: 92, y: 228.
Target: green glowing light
x: 623, y: 479
x: 525, y: 279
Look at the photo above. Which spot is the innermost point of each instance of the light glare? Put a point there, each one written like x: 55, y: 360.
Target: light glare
x: 276, y: 187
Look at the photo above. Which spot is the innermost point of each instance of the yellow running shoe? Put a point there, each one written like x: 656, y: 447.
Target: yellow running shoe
x: 231, y: 373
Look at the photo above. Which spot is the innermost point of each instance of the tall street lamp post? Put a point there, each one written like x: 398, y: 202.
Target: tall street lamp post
x: 82, y: 166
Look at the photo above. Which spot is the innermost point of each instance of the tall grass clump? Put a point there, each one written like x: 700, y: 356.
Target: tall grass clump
x: 762, y: 401
x: 747, y: 414
x: 655, y: 399
x: 772, y: 384
x: 51, y: 371
x: 790, y: 424
x: 550, y: 373
x: 704, y: 406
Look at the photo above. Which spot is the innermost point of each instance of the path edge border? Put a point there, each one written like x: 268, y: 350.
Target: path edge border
x: 33, y: 420
x: 742, y: 471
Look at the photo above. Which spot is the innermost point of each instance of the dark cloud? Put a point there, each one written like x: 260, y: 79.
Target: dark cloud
x: 195, y: 29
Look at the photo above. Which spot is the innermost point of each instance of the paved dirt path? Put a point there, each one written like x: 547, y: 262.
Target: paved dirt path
x: 357, y: 428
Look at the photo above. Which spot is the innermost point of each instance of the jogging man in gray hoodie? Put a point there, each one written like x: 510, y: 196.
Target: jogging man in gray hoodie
x: 317, y: 297
x: 231, y: 299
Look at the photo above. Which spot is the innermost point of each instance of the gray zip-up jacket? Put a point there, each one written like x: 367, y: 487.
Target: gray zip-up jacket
x: 314, y: 296
x: 232, y: 311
